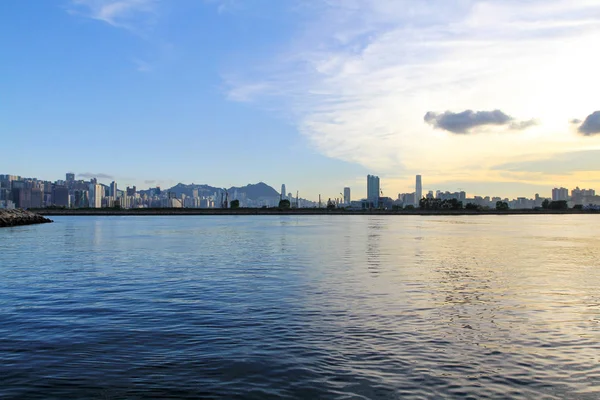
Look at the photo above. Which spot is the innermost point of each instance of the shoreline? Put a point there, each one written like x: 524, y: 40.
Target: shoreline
x: 308, y: 211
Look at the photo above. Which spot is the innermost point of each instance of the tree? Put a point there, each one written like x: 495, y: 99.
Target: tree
x: 409, y: 207
x: 472, y: 206
x: 558, y: 205
x: 545, y: 204
x: 501, y: 206
x: 284, y: 204
x: 430, y: 204
x: 454, y: 204
x: 234, y: 204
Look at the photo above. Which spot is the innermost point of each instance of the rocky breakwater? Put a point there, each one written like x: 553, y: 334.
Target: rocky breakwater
x: 20, y: 217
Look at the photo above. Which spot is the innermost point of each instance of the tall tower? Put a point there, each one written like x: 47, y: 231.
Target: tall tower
x: 347, y: 195
x: 113, y: 190
x: 70, y: 177
x: 373, y: 189
x: 95, y: 197
x: 418, y: 190
x: 283, y: 195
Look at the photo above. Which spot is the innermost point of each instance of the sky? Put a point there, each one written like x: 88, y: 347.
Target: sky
x: 495, y: 98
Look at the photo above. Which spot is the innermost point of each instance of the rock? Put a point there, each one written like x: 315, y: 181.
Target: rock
x: 20, y: 217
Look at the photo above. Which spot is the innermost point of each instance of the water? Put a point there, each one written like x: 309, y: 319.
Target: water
x: 376, y: 307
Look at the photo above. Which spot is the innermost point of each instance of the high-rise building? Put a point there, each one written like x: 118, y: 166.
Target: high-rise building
x: 579, y: 196
x: 70, y: 177
x: 132, y: 191
x: 96, y: 192
x: 418, y: 190
x: 37, y: 198
x: 21, y: 196
x: 82, y: 198
x: 113, y: 190
x: 373, y: 190
x: 347, y: 198
x: 60, y: 196
x: 283, y: 191
x: 559, y: 194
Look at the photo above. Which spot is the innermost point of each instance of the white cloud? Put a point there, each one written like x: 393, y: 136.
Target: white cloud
x: 362, y: 73
x: 128, y: 14
x: 142, y: 66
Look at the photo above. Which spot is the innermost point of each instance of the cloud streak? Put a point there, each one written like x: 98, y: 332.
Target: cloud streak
x: 127, y: 14
x: 142, y: 66
x: 555, y: 164
x: 90, y: 175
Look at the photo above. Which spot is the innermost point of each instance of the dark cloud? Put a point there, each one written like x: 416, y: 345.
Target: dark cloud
x: 591, y: 125
x: 90, y: 175
x: 575, y: 121
x: 464, y: 122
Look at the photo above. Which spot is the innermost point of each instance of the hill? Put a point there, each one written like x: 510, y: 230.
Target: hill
x: 252, y: 191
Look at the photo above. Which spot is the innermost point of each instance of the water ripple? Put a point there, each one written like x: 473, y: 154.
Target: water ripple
x: 366, y: 307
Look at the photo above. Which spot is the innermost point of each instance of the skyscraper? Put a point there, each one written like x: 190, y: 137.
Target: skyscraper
x: 21, y: 196
x: 113, y: 190
x: 418, y: 190
x: 347, y: 199
x: 283, y: 191
x: 373, y: 189
x: 37, y: 198
x: 70, y: 177
x: 60, y: 196
x: 95, y: 197
x: 560, y: 194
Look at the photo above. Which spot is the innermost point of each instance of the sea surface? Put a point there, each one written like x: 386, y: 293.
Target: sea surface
x: 307, y: 307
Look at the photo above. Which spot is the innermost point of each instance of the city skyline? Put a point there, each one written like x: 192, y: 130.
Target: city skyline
x: 496, y: 97
x: 26, y: 192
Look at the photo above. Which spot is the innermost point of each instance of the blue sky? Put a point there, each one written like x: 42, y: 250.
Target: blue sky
x: 314, y: 94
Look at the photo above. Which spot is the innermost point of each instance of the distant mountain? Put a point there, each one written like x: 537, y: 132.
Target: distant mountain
x: 203, y: 190
x: 256, y: 191
x: 252, y: 191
